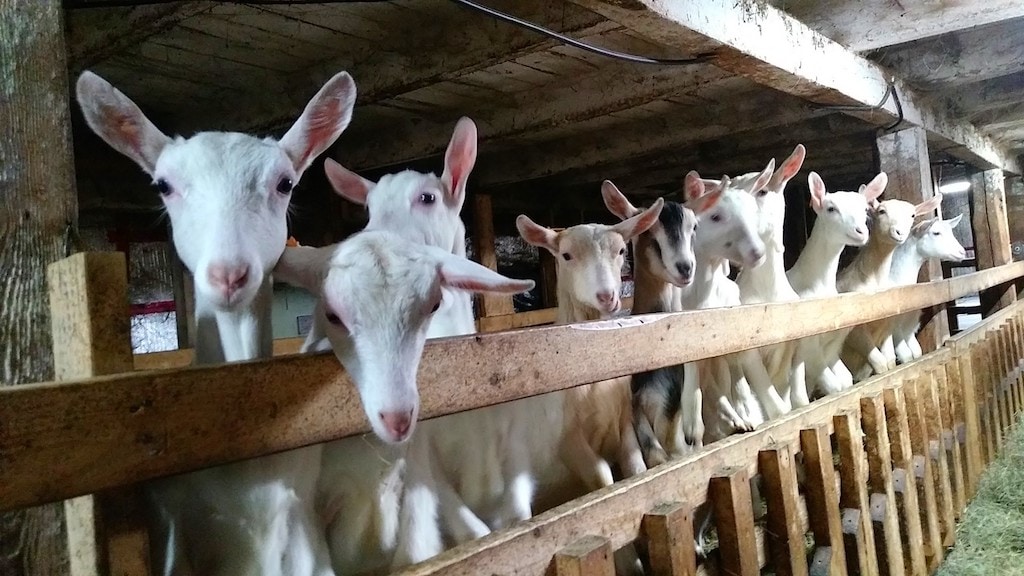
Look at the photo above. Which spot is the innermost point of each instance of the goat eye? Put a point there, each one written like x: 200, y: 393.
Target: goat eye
x: 436, y: 306
x: 566, y: 256
x: 881, y: 211
x: 428, y: 198
x: 622, y: 251
x: 832, y: 209
x: 716, y: 217
x: 334, y: 319
x: 285, y: 185
x: 936, y: 233
x: 762, y: 193
x: 163, y: 187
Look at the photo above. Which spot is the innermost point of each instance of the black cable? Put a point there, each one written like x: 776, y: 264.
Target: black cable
x: 890, y: 92
x: 497, y: 14
x: 577, y: 43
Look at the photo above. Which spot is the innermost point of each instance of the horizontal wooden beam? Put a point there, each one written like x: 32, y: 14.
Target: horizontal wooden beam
x: 95, y: 434
x: 871, y: 24
x: 95, y: 34
x: 986, y: 94
x: 771, y: 47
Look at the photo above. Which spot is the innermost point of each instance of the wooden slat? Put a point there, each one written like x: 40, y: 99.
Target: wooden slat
x: 929, y: 430
x: 924, y: 471
x: 612, y: 511
x: 915, y: 537
x: 962, y: 385
x: 668, y: 529
x: 483, y: 240
x: 588, y: 556
x: 858, y: 532
x: 822, y: 497
x: 880, y: 476
x: 729, y: 493
x: 67, y: 428
x: 785, y: 536
x: 91, y: 337
x: 953, y: 430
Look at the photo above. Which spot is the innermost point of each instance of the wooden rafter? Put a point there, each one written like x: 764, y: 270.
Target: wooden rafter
x: 771, y: 47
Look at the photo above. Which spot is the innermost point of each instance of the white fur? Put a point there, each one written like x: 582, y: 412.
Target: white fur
x: 227, y: 195
x: 841, y: 222
x: 377, y: 294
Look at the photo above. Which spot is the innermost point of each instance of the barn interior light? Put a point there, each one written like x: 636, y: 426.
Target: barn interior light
x: 958, y: 187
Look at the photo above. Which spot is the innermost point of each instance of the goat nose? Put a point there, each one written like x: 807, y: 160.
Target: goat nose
x: 397, y: 423
x: 605, y: 297
x: 227, y: 279
x: 685, y: 269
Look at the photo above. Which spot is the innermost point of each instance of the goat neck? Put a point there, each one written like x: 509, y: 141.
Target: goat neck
x: 767, y: 282
x: 871, y: 266
x: 651, y: 293
x: 818, y: 264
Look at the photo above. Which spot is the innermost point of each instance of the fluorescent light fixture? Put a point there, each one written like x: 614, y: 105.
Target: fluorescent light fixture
x: 958, y: 187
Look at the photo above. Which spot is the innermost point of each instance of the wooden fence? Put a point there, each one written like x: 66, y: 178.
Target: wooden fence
x: 886, y: 466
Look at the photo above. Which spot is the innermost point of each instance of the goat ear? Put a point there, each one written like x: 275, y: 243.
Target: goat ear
x: 462, y: 274
x: 324, y: 119
x: 764, y: 177
x: 119, y: 122
x: 459, y: 160
x: 928, y: 206
x: 921, y: 228
x: 302, y: 266
x: 637, y: 225
x: 693, y: 186
x: 347, y: 183
x: 704, y: 203
x: 875, y: 188
x: 954, y: 221
x: 790, y: 166
x: 536, y: 234
x: 616, y: 202
x: 817, y: 188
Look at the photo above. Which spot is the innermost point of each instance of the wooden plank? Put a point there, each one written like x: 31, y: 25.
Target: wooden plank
x: 483, y: 241
x: 771, y: 47
x: 588, y: 556
x: 179, y: 429
x: 916, y: 538
x: 880, y: 477
x: 37, y: 203
x: 858, y: 533
x: 979, y: 53
x: 729, y: 493
x: 962, y: 384
x: 924, y: 455
x: 822, y: 496
x: 951, y: 410
x: 991, y: 231
x: 668, y: 529
x: 612, y: 511
x: 929, y: 436
x: 873, y: 24
x: 91, y: 337
x: 785, y: 535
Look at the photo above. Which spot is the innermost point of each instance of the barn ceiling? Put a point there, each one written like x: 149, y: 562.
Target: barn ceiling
x: 551, y: 117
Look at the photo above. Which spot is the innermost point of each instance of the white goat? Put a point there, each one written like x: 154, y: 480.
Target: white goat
x: 727, y: 232
x: 841, y: 222
x: 227, y: 195
x: 892, y: 221
x: 929, y: 239
x: 376, y: 296
x: 663, y: 259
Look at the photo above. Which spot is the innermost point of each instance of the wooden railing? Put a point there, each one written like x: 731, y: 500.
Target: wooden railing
x: 932, y: 423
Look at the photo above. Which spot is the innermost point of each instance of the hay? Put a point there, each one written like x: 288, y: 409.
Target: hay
x: 990, y: 537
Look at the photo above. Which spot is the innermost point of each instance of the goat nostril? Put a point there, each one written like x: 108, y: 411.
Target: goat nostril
x: 398, y: 423
x: 605, y: 297
x: 859, y: 230
x: 685, y: 269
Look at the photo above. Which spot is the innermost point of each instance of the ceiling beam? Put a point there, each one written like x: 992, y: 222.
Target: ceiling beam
x: 96, y: 34
x: 456, y: 43
x: 613, y: 88
x: 987, y: 94
x: 771, y: 47
x: 872, y: 24
x: 959, y: 58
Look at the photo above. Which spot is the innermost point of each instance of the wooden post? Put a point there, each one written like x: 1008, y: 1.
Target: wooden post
x: 991, y: 233
x: 184, y: 299
x: 670, y: 546
x: 785, y: 534
x: 37, y: 204
x: 858, y: 534
x: 880, y: 477
x: 903, y: 156
x: 483, y: 242
x: 92, y: 337
x: 822, y: 497
x: 588, y: 556
x: 729, y: 492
